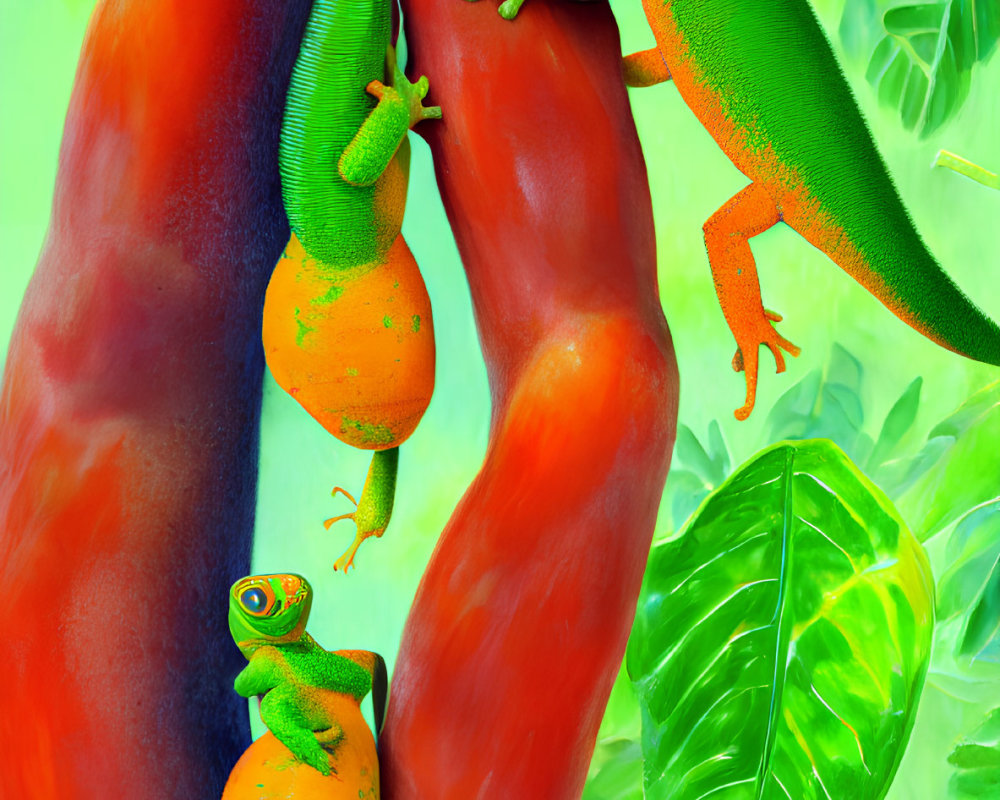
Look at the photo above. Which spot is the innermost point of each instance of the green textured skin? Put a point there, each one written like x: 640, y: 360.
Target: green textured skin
x: 375, y: 505
x: 367, y: 156
x: 343, y: 49
x: 304, y: 664
x: 778, y: 81
x: 290, y: 669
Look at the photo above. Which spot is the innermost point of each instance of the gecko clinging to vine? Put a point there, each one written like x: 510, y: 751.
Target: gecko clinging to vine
x: 347, y: 327
x: 762, y: 78
x: 311, y: 697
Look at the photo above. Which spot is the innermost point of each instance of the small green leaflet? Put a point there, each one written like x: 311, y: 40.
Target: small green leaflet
x: 962, y: 470
x: 977, y: 762
x: 781, y: 641
x: 970, y: 589
x: 922, y: 64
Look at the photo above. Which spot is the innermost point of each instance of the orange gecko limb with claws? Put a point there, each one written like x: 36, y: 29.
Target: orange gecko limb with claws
x: 763, y: 80
x: 761, y: 77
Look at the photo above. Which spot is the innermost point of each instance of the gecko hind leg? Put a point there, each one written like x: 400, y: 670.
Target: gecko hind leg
x: 728, y: 231
x: 374, y: 507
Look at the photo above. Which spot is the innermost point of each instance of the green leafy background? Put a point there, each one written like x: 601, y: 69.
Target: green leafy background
x: 858, y: 356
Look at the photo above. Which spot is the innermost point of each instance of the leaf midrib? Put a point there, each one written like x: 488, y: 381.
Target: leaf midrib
x: 783, y: 637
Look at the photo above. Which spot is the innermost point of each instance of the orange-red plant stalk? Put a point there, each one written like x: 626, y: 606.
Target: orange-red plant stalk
x: 521, y: 619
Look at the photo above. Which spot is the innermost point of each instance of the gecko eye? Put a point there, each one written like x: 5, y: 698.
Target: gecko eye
x: 254, y: 600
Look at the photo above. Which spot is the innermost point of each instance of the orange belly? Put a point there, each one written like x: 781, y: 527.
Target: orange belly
x: 269, y: 771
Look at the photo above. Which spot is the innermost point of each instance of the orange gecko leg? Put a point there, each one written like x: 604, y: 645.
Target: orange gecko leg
x: 338, y: 490
x: 727, y: 238
x: 645, y: 68
x: 347, y: 559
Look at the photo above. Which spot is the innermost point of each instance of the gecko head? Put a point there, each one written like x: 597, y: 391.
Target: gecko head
x: 268, y: 609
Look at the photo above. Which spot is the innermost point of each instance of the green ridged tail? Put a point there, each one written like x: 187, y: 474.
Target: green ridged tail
x: 343, y: 49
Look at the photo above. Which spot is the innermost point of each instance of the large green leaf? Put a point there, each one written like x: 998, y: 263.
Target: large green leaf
x: 977, y: 762
x: 781, y: 641
x: 922, y: 64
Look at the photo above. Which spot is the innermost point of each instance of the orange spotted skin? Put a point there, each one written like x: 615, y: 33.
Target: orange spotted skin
x: 357, y: 349
x: 267, y: 770
x: 762, y: 79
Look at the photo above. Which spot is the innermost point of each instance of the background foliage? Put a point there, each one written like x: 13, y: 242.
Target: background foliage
x: 845, y: 391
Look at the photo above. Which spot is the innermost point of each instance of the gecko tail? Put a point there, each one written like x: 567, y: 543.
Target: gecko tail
x: 380, y: 690
x: 926, y: 298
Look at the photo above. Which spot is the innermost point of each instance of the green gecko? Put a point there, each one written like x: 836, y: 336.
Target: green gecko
x: 346, y: 274
x: 304, y: 687
x: 762, y: 78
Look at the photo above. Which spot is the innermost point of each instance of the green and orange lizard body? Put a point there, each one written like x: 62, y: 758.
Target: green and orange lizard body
x: 310, y: 697
x: 347, y: 328
x: 762, y: 78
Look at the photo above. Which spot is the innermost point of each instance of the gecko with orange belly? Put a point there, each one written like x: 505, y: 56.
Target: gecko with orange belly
x: 347, y: 328
x: 762, y: 78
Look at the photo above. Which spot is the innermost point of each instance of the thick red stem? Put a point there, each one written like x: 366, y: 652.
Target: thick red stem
x: 130, y: 406
x: 520, y: 622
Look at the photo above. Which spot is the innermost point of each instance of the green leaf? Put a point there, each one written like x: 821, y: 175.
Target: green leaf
x: 616, y: 767
x: 922, y: 64
x: 685, y: 491
x: 719, y: 451
x: 966, y: 471
x: 781, y: 641
x: 977, y: 761
x: 898, y: 421
x: 972, y: 550
x: 792, y: 412
x: 825, y: 405
x: 981, y: 638
x: 971, y: 586
x: 972, y: 412
x: 898, y: 475
x: 617, y: 771
x: 844, y: 368
x: 695, y: 471
x: 689, y: 451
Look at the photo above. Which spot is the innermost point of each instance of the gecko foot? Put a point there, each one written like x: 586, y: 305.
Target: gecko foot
x: 509, y: 8
x: 346, y: 561
x: 410, y: 94
x: 339, y: 490
x: 315, y: 757
x: 746, y: 358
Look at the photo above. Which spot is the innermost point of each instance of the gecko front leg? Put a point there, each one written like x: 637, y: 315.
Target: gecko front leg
x: 645, y: 68
x: 727, y: 233
x: 264, y: 671
x: 283, y: 713
x: 400, y: 107
x: 508, y: 9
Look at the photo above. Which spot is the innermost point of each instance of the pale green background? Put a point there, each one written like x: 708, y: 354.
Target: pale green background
x: 690, y: 178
